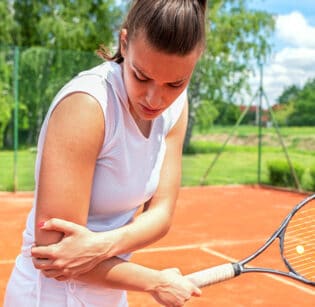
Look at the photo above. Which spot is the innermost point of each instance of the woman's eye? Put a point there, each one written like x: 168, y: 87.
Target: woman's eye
x: 140, y: 78
x: 176, y: 85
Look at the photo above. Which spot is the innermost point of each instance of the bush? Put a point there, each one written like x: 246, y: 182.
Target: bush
x: 280, y: 173
x: 312, y: 173
x: 202, y: 147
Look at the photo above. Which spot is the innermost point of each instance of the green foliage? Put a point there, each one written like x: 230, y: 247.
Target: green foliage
x: 202, y: 147
x: 74, y: 25
x: 289, y: 95
x: 236, y: 39
x: 204, y: 122
x: 297, y: 107
x: 280, y: 173
x: 8, y: 27
x: 47, y: 70
x: 283, y: 112
x: 6, y: 92
x: 228, y: 114
x: 51, y: 30
x: 304, y: 106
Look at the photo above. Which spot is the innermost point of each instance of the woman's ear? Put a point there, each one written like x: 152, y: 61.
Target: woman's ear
x: 123, y: 42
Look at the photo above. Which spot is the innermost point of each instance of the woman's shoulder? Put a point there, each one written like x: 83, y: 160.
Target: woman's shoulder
x: 101, y: 79
x: 108, y: 71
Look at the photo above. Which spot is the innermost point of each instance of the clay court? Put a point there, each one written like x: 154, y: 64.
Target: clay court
x: 212, y: 225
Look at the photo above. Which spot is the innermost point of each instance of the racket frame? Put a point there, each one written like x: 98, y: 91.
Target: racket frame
x: 239, y: 267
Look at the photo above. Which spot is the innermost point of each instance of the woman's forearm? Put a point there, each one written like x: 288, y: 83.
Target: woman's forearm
x: 147, y: 228
x: 119, y: 274
x: 168, y: 287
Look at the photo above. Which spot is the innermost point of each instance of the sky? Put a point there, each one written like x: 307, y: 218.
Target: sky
x: 293, y: 58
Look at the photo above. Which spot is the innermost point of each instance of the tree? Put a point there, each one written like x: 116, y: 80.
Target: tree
x: 204, y: 122
x: 290, y: 94
x: 304, y: 106
x: 8, y: 27
x: 8, y: 30
x: 57, y: 39
x: 73, y: 25
x: 6, y: 95
x: 237, y: 39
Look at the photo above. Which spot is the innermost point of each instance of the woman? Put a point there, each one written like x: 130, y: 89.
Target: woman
x: 112, y: 141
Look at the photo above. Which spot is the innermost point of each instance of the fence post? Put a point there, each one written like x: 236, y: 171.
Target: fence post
x: 16, y: 115
x: 259, y: 123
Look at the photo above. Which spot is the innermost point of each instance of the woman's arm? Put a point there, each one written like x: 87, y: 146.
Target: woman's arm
x: 74, y: 137
x: 68, y: 256
x: 168, y: 287
x: 73, y: 140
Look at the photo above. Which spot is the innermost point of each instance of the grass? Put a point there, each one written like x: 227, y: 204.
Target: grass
x: 238, y: 167
x: 245, y: 130
x: 25, y: 170
x: 237, y: 164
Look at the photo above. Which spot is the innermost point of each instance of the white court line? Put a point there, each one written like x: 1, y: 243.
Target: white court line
x: 277, y: 278
x: 197, y: 246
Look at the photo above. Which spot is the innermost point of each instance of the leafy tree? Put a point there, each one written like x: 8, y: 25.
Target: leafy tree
x: 204, y: 122
x: 7, y: 34
x: 6, y: 95
x: 283, y: 112
x: 304, y: 107
x: 237, y: 39
x: 8, y: 27
x: 290, y: 94
x: 57, y: 39
x: 47, y: 70
x: 62, y: 24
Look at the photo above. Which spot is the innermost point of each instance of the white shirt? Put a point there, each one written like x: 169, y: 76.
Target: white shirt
x: 126, y: 176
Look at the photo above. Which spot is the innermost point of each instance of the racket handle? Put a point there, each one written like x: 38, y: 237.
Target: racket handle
x: 213, y: 275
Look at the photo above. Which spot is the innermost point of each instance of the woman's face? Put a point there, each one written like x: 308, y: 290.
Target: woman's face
x: 153, y: 79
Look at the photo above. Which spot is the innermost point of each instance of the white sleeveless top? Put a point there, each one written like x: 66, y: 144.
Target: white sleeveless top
x: 128, y: 166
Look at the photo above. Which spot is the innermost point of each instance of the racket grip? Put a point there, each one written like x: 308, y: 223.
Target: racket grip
x: 212, y: 275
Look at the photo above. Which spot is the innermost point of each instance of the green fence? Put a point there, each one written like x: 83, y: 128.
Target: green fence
x: 29, y: 79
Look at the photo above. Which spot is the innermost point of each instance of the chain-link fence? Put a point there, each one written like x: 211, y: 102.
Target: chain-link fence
x: 29, y: 79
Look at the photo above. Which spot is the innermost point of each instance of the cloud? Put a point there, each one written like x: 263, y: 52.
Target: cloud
x: 294, y: 60
x: 293, y: 29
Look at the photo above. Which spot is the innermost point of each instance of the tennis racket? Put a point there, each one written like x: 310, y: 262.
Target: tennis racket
x: 296, y: 236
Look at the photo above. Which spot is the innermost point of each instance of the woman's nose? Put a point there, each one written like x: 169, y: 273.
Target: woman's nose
x: 154, y: 96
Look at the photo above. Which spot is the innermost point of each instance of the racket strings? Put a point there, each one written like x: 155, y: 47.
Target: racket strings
x: 299, y: 242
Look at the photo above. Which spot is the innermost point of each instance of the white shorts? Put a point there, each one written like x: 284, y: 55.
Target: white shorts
x: 28, y: 287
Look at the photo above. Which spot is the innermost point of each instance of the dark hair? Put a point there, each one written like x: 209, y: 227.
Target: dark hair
x: 174, y: 27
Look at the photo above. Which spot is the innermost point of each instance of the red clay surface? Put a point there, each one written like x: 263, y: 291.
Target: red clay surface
x: 212, y: 225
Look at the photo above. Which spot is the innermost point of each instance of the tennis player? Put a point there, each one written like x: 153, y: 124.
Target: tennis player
x: 110, y: 143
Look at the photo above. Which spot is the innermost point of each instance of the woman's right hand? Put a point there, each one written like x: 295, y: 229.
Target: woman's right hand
x: 78, y: 252
x: 174, y: 289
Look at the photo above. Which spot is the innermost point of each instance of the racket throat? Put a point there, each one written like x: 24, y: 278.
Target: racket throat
x: 237, y: 268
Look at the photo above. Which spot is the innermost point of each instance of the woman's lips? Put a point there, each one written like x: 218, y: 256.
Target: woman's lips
x: 149, y: 110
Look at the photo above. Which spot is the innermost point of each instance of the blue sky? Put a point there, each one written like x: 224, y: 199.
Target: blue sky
x: 283, y: 7
x: 307, y: 7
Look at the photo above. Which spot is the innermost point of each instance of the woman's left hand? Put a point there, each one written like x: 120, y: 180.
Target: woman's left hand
x: 79, y: 251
